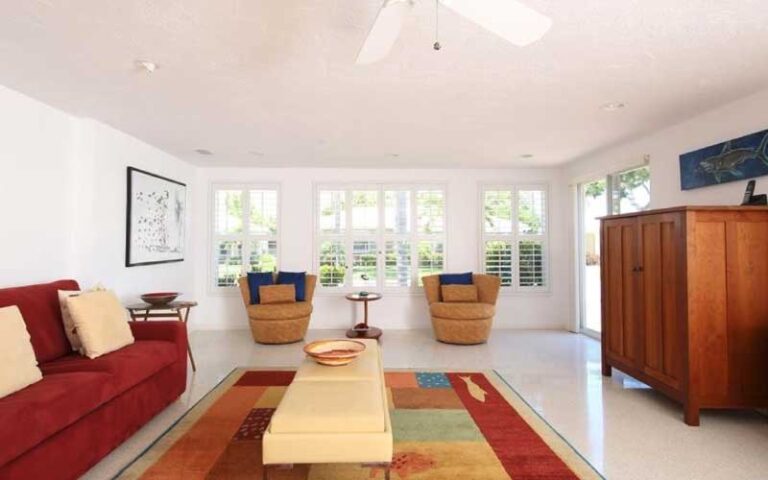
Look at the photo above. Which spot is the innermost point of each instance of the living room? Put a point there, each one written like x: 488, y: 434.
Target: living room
x: 371, y: 159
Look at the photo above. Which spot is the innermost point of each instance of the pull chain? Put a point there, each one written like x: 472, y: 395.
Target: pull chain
x: 437, y: 45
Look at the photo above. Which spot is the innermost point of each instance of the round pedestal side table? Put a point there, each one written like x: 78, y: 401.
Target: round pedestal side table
x: 363, y: 330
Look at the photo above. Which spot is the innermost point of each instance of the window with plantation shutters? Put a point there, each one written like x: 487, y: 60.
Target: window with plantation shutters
x: 245, y: 232
x: 514, y: 236
x: 378, y: 236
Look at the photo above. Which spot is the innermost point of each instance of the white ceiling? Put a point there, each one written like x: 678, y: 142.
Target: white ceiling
x: 274, y: 83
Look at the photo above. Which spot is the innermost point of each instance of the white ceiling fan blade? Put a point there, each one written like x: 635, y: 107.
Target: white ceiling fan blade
x: 509, y: 19
x: 384, y: 32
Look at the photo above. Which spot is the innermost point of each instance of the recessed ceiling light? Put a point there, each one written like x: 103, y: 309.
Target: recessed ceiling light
x: 146, y: 66
x: 613, y: 106
x: 203, y: 151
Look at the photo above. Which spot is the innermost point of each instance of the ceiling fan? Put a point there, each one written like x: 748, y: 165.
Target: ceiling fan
x: 509, y: 19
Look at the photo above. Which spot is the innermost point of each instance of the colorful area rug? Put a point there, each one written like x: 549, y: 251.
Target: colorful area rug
x: 446, y: 425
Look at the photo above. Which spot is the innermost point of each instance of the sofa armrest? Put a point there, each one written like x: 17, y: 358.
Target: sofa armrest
x: 168, y: 331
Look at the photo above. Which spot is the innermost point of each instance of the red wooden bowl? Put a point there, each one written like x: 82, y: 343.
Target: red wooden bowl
x: 159, y: 298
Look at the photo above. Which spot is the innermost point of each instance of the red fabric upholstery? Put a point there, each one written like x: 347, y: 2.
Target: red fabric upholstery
x: 170, y: 331
x: 126, y: 367
x: 71, y: 452
x: 33, y: 414
x: 39, y: 305
x: 82, y: 409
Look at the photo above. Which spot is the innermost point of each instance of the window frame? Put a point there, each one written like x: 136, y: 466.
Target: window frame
x: 214, y: 238
x: 380, y: 237
x: 515, y: 237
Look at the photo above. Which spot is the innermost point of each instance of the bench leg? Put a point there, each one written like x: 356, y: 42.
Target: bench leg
x: 268, y: 468
x: 384, y: 466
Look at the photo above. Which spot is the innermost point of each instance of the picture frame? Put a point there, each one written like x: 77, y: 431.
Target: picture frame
x: 156, y: 210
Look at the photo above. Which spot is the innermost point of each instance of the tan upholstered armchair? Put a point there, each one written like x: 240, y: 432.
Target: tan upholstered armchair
x: 463, y: 322
x: 279, y: 322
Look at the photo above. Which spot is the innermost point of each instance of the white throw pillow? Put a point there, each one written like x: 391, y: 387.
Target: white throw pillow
x: 101, y: 322
x: 18, y: 365
x: 69, y: 326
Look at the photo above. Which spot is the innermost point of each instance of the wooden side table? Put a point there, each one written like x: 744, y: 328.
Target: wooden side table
x: 363, y: 330
x: 178, y: 310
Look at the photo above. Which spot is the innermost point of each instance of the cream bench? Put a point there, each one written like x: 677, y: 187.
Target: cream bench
x: 333, y: 415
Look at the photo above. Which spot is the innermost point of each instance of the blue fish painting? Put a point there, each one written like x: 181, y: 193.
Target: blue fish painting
x: 737, y: 159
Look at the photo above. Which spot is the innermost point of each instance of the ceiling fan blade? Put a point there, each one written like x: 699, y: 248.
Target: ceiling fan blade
x: 384, y: 32
x: 509, y: 19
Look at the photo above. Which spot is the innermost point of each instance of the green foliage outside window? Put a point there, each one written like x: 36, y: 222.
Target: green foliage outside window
x: 331, y: 271
x: 498, y: 261
x: 531, y: 264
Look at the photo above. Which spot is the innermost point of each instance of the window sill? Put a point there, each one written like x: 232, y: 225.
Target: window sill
x: 384, y: 293
x: 526, y: 293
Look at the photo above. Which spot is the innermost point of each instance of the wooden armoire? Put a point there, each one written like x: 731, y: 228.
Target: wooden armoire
x: 685, y: 303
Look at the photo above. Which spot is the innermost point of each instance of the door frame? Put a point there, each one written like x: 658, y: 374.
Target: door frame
x: 581, y: 251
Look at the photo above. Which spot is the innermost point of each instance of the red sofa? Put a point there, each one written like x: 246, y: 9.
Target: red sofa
x: 82, y: 409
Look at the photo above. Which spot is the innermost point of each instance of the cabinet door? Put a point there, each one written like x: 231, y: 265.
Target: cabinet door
x: 662, y: 281
x: 620, y: 286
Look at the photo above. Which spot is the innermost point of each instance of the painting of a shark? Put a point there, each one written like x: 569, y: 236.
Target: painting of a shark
x: 736, y: 159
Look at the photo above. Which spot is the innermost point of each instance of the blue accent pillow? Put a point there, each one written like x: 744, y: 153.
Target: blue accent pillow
x: 255, y: 280
x: 456, y: 278
x: 298, y: 279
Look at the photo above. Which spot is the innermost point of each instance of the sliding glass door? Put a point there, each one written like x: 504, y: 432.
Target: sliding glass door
x: 593, y: 201
x: 621, y: 192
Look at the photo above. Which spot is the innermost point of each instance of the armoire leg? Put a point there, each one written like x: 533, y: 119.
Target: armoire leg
x: 691, y: 414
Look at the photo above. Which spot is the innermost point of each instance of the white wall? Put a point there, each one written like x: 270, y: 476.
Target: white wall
x: 550, y: 311
x: 742, y: 117
x: 36, y: 195
x: 63, y: 195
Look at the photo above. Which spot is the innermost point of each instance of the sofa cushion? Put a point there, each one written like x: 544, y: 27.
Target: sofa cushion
x: 101, y: 322
x: 298, y: 279
x: 39, y: 411
x: 456, y: 278
x: 277, y: 294
x: 18, y: 365
x: 255, y: 280
x: 280, y: 311
x: 69, y: 325
x: 39, y: 305
x: 459, y: 293
x: 462, y: 311
x: 127, y: 367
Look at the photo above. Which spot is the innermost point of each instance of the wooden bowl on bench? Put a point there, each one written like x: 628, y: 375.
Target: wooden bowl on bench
x: 334, y: 353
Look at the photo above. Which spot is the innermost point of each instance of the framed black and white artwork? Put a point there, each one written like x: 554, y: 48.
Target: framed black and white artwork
x: 156, y: 213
